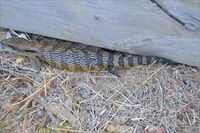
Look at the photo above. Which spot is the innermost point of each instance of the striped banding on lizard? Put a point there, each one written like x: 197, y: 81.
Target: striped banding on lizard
x: 77, y: 57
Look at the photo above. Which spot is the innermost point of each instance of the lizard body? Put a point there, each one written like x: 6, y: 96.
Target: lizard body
x: 77, y: 57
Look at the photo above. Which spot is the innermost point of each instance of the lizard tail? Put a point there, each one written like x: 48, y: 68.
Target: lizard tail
x: 135, y: 60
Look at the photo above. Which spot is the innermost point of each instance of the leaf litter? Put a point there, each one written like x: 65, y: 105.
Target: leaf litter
x: 152, y: 98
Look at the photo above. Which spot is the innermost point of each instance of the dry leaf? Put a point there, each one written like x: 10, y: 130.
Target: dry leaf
x: 93, y: 80
x: 62, y: 112
x: 17, y: 99
x: 171, y: 93
x: 20, y: 59
x: 37, y: 86
x: 7, y: 106
x: 118, y: 128
x: 26, y: 125
x: 22, y: 78
x: 43, y: 89
x: 161, y: 130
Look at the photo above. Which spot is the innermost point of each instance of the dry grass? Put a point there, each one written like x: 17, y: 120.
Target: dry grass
x: 154, y: 98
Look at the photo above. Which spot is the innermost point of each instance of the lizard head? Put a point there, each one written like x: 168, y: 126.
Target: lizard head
x: 20, y: 46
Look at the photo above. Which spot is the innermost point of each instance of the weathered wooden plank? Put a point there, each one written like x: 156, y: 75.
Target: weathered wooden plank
x: 133, y: 26
x: 185, y: 11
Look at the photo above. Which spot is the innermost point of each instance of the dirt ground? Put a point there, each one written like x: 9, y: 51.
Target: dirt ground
x: 155, y: 98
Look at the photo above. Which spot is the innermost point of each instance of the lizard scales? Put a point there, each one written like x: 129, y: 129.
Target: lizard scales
x: 77, y: 57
